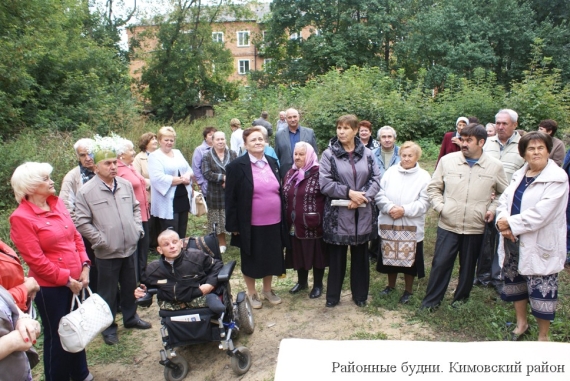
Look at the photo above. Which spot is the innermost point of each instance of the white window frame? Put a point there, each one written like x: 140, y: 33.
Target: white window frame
x: 266, y: 61
x: 240, y: 37
x: 296, y: 36
x: 243, y: 71
x: 217, y: 34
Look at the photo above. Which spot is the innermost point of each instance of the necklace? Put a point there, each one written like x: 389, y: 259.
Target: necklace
x: 528, y: 180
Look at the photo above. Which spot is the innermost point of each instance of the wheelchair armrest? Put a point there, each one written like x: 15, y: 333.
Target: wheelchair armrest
x: 226, y: 271
x: 145, y: 301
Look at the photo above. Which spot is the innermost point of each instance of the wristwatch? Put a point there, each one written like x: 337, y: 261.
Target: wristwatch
x: 86, y: 264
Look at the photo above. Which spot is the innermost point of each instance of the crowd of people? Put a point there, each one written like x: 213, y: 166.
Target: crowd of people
x: 497, y: 195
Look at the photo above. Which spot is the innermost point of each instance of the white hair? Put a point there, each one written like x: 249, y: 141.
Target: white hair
x: 219, y: 132
x: 512, y: 114
x: 264, y: 133
x: 84, y: 143
x: 27, y: 177
x: 386, y: 128
x: 123, y: 145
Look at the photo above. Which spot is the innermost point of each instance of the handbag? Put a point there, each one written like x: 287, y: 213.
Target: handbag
x: 79, y: 327
x: 398, y: 245
x: 198, y: 206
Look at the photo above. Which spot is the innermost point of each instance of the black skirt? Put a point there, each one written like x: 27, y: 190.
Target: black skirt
x: 266, y: 253
x: 417, y: 269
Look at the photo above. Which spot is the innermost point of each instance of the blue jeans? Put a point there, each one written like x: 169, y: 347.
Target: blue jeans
x: 53, y: 303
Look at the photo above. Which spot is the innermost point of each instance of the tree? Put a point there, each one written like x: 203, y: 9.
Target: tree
x: 187, y: 68
x: 456, y: 36
x: 342, y: 34
x: 52, y: 73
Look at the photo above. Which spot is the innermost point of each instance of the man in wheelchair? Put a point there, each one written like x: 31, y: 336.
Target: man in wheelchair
x: 184, y: 279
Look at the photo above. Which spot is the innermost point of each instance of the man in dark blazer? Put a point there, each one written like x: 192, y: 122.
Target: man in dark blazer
x: 286, y: 139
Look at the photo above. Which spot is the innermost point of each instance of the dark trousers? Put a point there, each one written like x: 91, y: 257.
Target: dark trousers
x: 359, y: 272
x: 142, y: 251
x: 178, y: 223
x: 488, y: 269
x: 447, y: 246
x: 118, y: 272
x: 53, y: 303
x: 93, y: 271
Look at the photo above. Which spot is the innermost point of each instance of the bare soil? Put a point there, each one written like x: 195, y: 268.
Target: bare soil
x: 297, y: 317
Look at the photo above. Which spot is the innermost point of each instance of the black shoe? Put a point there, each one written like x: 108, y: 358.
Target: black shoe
x: 406, y: 297
x: 499, y: 287
x: 298, y: 287
x: 111, y: 339
x: 511, y: 336
x: 139, y: 324
x: 360, y: 303
x: 427, y: 308
x: 316, y: 292
x: 331, y: 304
x: 386, y: 291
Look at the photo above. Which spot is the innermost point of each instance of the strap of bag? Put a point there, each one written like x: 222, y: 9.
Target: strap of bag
x: 76, y: 298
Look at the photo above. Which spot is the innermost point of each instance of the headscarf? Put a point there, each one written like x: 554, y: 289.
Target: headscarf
x: 311, y: 160
x: 462, y: 119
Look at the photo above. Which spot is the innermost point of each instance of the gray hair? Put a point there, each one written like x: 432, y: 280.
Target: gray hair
x: 219, y: 133
x: 27, y: 177
x: 291, y: 110
x: 84, y: 143
x: 124, y: 145
x: 264, y: 133
x: 512, y: 114
x: 386, y: 128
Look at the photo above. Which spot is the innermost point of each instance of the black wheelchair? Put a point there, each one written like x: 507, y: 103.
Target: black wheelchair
x: 192, y: 326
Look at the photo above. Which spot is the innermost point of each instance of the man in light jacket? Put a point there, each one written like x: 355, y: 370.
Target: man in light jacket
x: 461, y: 192
x: 108, y: 215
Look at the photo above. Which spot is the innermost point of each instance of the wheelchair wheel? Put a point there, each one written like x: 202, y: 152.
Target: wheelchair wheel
x: 245, y: 316
x: 179, y: 373
x: 241, y: 365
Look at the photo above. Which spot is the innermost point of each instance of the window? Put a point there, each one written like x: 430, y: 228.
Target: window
x: 295, y: 36
x: 243, y: 38
x: 266, y: 62
x: 218, y: 37
x: 243, y: 67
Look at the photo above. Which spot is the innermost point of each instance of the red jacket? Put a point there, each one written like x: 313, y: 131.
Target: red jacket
x: 447, y: 146
x: 48, y: 241
x: 12, y: 276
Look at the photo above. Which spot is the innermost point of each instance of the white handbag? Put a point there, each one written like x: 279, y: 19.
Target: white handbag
x: 80, y: 326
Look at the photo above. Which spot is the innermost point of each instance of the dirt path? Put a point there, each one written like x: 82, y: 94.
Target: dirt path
x: 297, y: 317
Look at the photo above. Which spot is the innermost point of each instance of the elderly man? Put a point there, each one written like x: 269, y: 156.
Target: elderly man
x: 108, y: 215
x: 503, y: 146
x: 286, y: 139
x: 460, y: 191
x: 74, y: 180
x: 262, y: 121
x: 199, y: 152
x: 282, y: 122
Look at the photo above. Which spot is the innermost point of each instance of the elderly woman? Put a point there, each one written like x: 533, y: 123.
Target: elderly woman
x: 451, y: 140
x: 403, y: 201
x: 17, y: 335
x: 304, y: 207
x: 170, y: 176
x: 350, y: 176
x: 214, y: 165
x: 148, y: 143
x: 491, y: 129
x: 365, y: 133
x: 532, y: 245
x: 254, y: 216
x: 125, y: 169
x: 44, y: 234
x: 199, y: 152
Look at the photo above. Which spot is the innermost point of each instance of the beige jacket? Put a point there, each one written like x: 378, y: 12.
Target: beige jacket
x: 141, y: 165
x: 509, y: 156
x: 69, y: 187
x: 462, y: 195
x: 110, y: 221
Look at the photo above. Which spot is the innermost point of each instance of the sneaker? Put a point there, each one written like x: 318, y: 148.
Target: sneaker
x: 254, y: 301
x: 270, y: 297
x: 89, y: 377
